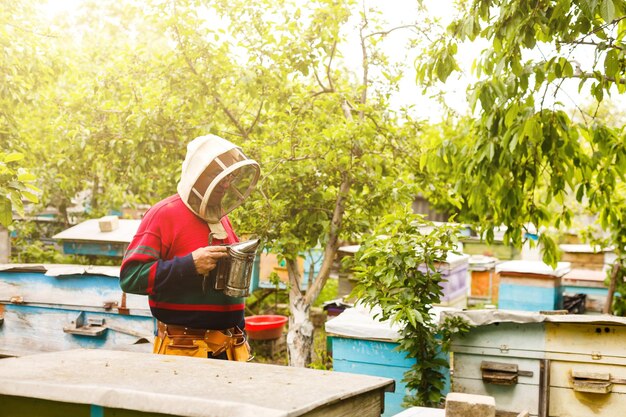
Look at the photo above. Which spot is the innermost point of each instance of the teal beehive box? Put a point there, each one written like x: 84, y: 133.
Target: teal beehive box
x: 56, y: 307
x: 530, y: 285
x: 361, y: 344
x: 98, y: 237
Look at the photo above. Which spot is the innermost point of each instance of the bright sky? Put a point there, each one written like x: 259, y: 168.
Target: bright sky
x: 401, y: 12
x: 397, y: 13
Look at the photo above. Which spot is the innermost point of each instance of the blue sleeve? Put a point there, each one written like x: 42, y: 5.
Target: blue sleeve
x: 177, y: 275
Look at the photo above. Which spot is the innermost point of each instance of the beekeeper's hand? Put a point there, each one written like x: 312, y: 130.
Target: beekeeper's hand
x: 205, y: 259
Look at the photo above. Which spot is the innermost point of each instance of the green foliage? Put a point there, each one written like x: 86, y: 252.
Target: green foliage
x: 106, y: 99
x: 329, y: 292
x: 322, y: 358
x: 526, y: 162
x: 21, y: 68
x: 619, y: 302
x: 15, y: 185
x: 397, y: 271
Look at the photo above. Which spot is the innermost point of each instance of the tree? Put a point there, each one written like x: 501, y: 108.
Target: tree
x: 15, y: 185
x: 326, y: 143
x: 132, y: 82
x: 20, y: 72
x: 523, y: 153
x: 107, y: 126
x: 398, y: 262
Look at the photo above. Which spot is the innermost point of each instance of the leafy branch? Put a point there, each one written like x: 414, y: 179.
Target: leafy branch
x: 15, y: 184
x: 398, y: 270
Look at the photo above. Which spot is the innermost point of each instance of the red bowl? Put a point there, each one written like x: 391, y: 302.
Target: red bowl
x: 265, y: 327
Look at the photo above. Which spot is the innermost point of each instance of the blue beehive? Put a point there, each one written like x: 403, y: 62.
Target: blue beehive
x: 361, y: 344
x: 530, y: 285
x: 89, y: 238
x: 265, y: 263
x: 59, y: 307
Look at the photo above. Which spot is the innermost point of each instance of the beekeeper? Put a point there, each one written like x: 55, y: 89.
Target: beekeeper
x: 176, y: 249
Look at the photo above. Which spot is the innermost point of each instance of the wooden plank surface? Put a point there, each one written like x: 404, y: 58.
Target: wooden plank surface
x: 84, y: 290
x: 186, y: 386
x: 30, y: 330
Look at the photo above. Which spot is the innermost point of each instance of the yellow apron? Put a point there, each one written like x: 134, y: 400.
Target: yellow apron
x: 185, y: 341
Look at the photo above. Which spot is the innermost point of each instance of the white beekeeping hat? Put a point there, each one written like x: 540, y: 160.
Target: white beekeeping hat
x: 216, y: 177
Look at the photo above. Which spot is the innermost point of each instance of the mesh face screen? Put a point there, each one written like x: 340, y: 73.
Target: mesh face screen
x: 223, y: 185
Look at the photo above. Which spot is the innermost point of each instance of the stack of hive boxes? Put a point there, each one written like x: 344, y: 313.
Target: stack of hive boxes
x: 455, y: 282
x: 587, y: 276
x: 530, y: 285
x: 484, y: 280
x: 551, y: 365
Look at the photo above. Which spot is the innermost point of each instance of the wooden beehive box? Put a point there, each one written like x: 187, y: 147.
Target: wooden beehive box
x: 98, y: 237
x: 454, y: 284
x: 60, y: 307
x: 361, y: 344
x: 455, y: 280
x: 484, y: 282
x: 266, y: 263
x: 87, y: 382
x: 497, y: 249
x: 501, y: 358
x: 589, y: 282
x: 530, y: 285
x: 587, y: 365
x: 551, y: 365
x: 582, y: 256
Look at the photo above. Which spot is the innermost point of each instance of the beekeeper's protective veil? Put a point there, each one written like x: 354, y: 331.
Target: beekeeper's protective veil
x: 216, y: 178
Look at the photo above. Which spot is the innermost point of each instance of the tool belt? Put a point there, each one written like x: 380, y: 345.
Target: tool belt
x: 187, y: 341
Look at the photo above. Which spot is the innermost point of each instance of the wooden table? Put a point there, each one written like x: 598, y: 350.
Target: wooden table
x: 100, y: 382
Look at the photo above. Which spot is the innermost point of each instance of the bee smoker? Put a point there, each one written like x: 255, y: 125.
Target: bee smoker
x: 234, y: 272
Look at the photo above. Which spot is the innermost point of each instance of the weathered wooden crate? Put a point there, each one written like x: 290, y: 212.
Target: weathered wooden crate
x: 550, y: 365
x: 583, y: 256
x: 588, y: 282
x: 87, y: 382
x: 530, y: 285
x: 60, y: 307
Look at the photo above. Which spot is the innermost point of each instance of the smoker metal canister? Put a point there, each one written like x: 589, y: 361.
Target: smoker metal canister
x: 235, y: 272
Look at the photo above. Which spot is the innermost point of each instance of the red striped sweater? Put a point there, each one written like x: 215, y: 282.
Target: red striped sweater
x: 158, y: 263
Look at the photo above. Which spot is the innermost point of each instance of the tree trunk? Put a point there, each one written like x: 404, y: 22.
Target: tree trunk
x: 612, y: 284
x: 300, y: 335
x: 5, y: 245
